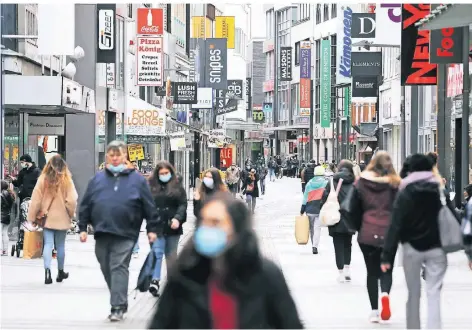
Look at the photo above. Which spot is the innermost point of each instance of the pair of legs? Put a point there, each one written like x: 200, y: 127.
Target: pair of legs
x: 435, y: 266
x: 114, y: 254
x: 374, y: 274
x: 164, y: 245
x: 262, y: 183
x: 233, y: 188
x: 5, y: 239
x: 251, y: 202
x: 54, y: 239
x: 271, y: 174
x: 303, y: 187
x: 315, y: 229
x: 342, y: 250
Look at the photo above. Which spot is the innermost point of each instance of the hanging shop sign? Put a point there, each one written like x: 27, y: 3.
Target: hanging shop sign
x: 204, y: 98
x: 201, y: 27
x: 106, y: 33
x: 135, y: 152
x: 161, y: 90
x: 225, y: 102
x: 364, y: 86
x: 415, y: 66
x: 224, y: 28
x: 343, y: 44
x: 150, y: 21
x: 285, y: 63
x: 185, y: 93
x: 366, y: 64
x: 248, y: 94
x: 149, y: 61
x: 42, y: 125
x: 363, y: 26
x: 258, y: 116
x: 144, y: 119
x: 267, y: 107
x: 177, y: 141
x: 218, y: 139
x: 325, y: 84
x: 216, y: 67
x: 235, y: 87
x: 305, y: 60
x: 226, y: 157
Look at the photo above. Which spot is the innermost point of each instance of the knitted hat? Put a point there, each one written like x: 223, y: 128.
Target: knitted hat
x: 26, y: 158
x: 319, y: 171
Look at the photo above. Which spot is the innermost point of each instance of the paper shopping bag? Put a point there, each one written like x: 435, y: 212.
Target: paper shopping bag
x: 302, y: 229
x: 33, y: 244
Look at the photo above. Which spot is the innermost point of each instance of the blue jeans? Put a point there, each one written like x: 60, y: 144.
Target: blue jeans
x: 271, y: 174
x: 54, y: 238
x: 164, y: 245
x: 136, y: 247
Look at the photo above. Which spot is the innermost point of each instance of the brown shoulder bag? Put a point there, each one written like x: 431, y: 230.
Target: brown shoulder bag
x: 43, y: 216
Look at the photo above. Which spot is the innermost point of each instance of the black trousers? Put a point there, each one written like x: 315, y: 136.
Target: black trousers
x: 342, y: 249
x: 375, y: 274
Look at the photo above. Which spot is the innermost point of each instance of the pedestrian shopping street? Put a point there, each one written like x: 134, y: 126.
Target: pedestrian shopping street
x: 82, y: 300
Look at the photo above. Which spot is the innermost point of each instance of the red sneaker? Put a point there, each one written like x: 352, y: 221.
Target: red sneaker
x: 386, y: 313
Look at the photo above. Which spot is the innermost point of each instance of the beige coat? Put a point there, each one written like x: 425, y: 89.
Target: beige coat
x: 62, y: 207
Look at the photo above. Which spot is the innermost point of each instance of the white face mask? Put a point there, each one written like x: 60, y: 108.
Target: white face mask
x: 208, y: 182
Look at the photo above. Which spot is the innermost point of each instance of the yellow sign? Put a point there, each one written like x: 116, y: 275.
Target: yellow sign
x: 224, y: 28
x: 135, y: 152
x: 201, y: 26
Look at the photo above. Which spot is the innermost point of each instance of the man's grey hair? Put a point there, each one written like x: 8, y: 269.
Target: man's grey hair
x: 116, y: 145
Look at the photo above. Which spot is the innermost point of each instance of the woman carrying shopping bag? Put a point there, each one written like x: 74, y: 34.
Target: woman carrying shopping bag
x: 171, y: 202
x: 53, y: 205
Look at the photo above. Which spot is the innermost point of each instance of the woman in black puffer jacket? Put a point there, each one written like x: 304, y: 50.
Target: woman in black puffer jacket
x: 340, y: 232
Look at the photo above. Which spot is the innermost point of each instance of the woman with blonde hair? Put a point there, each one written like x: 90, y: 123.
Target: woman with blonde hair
x: 368, y: 209
x: 211, y: 183
x: 55, y: 198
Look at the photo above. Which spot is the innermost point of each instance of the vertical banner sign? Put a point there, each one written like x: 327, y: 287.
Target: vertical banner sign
x: 285, y: 64
x: 347, y: 101
x: 235, y: 88
x: 106, y: 25
x: 415, y: 66
x: 150, y: 21
x: 305, y: 93
x: 325, y: 83
x: 343, y: 45
x: 445, y: 45
x: 201, y: 27
x: 216, y: 63
x: 149, y: 61
x: 224, y: 28
x: 388, y: 24
x: 248, y: 94
x: 305, y: 60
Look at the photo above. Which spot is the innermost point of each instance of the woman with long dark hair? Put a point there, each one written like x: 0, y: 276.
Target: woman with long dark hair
x: 221, y: 280
x: 211, y: 183
x: 171, y: 202
x: 54, y: 195
x: 251, y: 189
x: 368, y: 210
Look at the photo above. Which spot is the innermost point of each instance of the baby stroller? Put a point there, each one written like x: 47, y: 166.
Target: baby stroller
x: 18, y: 247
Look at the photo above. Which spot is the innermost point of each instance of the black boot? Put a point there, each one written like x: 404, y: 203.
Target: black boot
x: 47, y: 276
x: 62, y: 275
x: 154, y: 288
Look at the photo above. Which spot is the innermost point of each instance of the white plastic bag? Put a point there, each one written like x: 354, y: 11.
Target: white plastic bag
x: 329, y: 214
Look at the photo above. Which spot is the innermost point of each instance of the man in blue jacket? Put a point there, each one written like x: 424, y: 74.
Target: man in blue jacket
x: 115, y: 203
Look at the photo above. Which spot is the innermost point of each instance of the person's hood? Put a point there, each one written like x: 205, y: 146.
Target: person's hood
x: 375, y: 182
x: 418, y: 176
x: 345, y: 175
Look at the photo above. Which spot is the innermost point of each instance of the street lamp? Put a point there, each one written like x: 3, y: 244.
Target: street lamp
x: 367, y: 45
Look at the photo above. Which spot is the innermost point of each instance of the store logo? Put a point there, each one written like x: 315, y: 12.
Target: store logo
x: 106, y: 27
x: 345, y: 63
x: 364, y: 85
x: 363, y: 25
x: 216, y: 67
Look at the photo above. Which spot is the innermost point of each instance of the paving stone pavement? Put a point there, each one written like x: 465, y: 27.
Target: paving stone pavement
x: 82, y: 300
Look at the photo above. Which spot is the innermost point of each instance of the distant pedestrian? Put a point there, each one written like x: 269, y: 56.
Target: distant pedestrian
x: 362, y: 165
x: 27, y: 178
x: 171, y: 203
x: 311, y: 205
x: 232, y: 178
x: 115, y: 203
x: 272, y: 165
x: 369, y: 210
x: 340, y: 232
x: 415, y: 225
x: 251, y: 189
x: 55, y: 196
x: 222, y: 281
x: 8, y: 200
x: 262, y: 178
x: 211, y: 183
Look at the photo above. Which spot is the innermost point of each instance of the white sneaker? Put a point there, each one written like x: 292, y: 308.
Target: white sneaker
x: 374, y: 317
x: 135, y: 255
x: 347, y: 274
x: 341, y: 278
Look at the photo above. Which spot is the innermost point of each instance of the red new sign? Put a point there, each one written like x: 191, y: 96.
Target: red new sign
x: 416, y: 68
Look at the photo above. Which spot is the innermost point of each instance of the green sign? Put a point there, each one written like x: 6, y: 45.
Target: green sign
x: 347, y: 101
x: 325, y: 83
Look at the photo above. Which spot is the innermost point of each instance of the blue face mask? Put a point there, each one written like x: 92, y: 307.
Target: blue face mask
x: 165, y: 178
x: 117, y: 168
x: 210, y: 241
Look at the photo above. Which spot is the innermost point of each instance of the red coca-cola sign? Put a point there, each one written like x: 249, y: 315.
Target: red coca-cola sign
x: 150, y: 21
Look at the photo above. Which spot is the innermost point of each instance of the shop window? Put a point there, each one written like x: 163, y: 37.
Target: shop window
x: 318, y: 14
x: 334, y: 10
x: 325, y: 12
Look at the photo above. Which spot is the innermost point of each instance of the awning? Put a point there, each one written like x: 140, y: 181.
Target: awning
x: 457, y: 15
x: 286, y: 128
